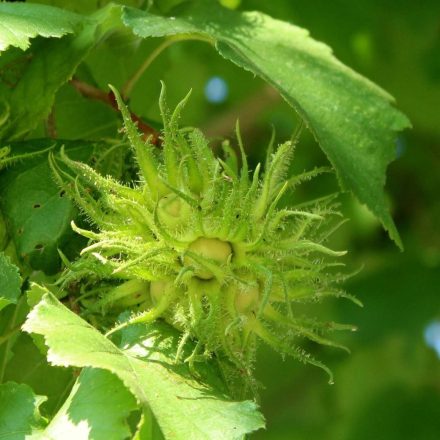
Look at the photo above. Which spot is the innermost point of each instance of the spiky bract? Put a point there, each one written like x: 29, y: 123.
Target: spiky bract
x: 204, y: 245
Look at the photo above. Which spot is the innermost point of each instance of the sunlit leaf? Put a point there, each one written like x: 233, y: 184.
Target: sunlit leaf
x: 184, y: 406
x: 52, y: 63
x: 20, y: 22
x: 95, y: 409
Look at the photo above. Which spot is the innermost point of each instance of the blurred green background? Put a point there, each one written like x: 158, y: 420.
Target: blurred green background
x: 389, y: 387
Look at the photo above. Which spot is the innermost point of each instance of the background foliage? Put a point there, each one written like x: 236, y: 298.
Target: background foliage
x: 389, y: 386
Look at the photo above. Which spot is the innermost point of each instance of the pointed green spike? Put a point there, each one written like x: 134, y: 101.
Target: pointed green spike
x: 244, y: 173
x: 170, y: 153
x: 143, y: 150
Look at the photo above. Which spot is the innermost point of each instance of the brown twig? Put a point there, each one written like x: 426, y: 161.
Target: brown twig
x: 91, y: 92
x: 51, y: 127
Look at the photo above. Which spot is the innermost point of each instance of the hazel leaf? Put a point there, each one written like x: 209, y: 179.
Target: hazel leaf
x: 10, y: 282
x: 21, y: 22
x: 352, y: 119
x: 52, y: 64
x: 96, y: 408
x: 37, y: 211
x: 184, y: 406
x: 19, y: 413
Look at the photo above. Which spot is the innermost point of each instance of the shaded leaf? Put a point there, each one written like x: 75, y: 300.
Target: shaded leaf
x: 52, y: 63
x: 37, y: 212
x: 3, y: 231
x: 80, y: 118
x: 148, y: 428
x: 20, y: 22
x: 96, y: 409
x: 29, y: 365
x: 184, y: 407
x: 19, y: 413
x: 10, y: 282
x: 351, y: 118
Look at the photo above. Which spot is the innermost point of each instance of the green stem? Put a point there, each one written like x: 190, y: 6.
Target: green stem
x: 4, y: 338
x: 148, y: 316
x: 131, y: 82
x: 62, y: 397
x: 11, y: 331
x: 128, y: 86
